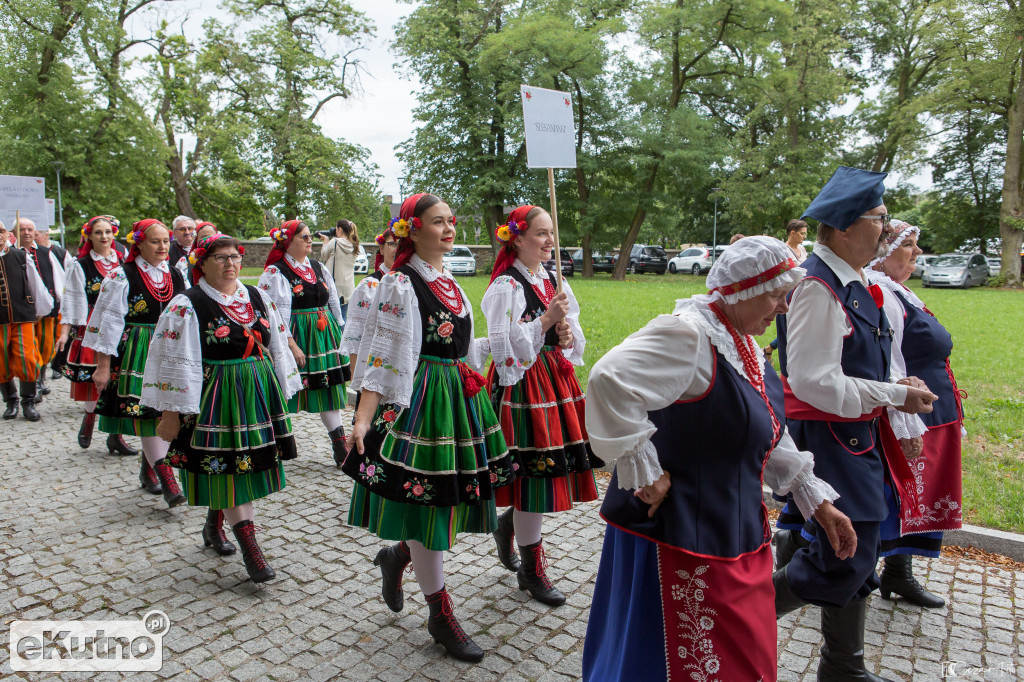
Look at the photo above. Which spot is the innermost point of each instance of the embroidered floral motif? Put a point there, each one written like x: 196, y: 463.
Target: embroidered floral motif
x: 419, y: 490
x: 178, y: 459
x: 696, y: 621
x: 169, y: 334
x: 137, y: 304
x: 297, y: 289
x: 179, y: 310
x: 473, y: 490
x: 440, y: 327
x: 214, y: 465
x: 217, y: 331
x: 374, y: 361
x: 392, y: 309
x: 243, y: 464
x: 371, y: 473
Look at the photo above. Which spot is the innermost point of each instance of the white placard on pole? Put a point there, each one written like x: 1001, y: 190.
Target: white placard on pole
x: 51, y: 212
x: 42, y: 219
x: 24, y: 193
x: 550, y: 128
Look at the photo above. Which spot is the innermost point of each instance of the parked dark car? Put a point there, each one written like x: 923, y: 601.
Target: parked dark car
x: 603, y: 262
x: 567, y: 266
x: 644, y: 258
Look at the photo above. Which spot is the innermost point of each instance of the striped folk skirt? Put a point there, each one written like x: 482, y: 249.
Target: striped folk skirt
x: 118, y: 405
x: 431, y: 471
x: 318, y: 335
x: 542, y: 419
x: 79, y: 368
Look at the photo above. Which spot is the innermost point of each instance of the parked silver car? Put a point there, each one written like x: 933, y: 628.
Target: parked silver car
x: 962, y: 270
x: 921, y: 264
x: 995, y: 265
x: 460, y: 261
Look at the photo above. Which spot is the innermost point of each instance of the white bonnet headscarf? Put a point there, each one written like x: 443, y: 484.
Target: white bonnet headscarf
x: 751, y: 267
x: 900, y: 231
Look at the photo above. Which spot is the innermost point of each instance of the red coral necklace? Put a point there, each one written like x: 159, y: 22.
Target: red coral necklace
x: 103, y: 268
x: 447, y: 291
x: 241, y: 312
x: 748, y: 353
x: 161, y: 292
x: 305, y: 272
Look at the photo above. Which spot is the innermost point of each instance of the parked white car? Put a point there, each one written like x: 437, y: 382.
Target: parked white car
x: 460, y: 261
x: 361, y: 264
x: 695, y: 260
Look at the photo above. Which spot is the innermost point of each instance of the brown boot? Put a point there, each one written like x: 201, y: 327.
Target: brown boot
x: 172, y: 493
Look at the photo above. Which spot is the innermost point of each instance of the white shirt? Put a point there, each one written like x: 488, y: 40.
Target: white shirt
x: 74, y: 309
x: 106, y: 322
x: 358, y: 310
x: 816, y: 326
x: 515, y: 344
x: 673, y: 358
x: 57, y: 268
x: 275, y: 284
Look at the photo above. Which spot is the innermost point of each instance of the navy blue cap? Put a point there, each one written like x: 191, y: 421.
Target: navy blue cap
x: 846, y: 196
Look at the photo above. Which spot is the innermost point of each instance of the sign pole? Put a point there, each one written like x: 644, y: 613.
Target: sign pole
x: 554, y: 224
x: 17, y: 229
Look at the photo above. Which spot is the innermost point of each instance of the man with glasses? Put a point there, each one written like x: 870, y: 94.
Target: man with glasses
x: 835, y: 346
x: 183, y: 231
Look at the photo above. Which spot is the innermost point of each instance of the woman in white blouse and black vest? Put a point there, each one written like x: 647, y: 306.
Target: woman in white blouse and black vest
x: 220, y: 372
x: 536, y: 338
x: 308, y: 302
x: 428, y: 454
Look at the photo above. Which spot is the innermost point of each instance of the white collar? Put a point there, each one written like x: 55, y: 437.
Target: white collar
x: 883, y: 280
x: 534, y: 277
x: 162, y: 268
x: 241, y: 293
x: 698, y: 312
x: 112, y: 258
x: 384, y: 269
x: 304, y: 265
x: 843, y: 271
x: 427, y: 271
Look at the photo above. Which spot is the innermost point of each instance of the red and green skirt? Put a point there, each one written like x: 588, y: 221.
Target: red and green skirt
x: 318, y: 335
x: 79, y: 368
x: 432, y: 470
x: 118, y: 407
x: 542, y: 419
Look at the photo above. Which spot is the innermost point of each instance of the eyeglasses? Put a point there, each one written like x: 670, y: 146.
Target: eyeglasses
x: 390, y: 245
x: 306, y: 238
x: 885, y: 218
x: 223, y: 258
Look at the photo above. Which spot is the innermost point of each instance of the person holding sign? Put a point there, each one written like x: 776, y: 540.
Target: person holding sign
x: 535, y: 339
x: 23, y: 300
x: 96, y: 259
x: 428, y: 462
x: 119, y: 331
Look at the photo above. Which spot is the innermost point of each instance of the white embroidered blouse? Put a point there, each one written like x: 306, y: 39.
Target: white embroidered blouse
x: 173, y: 378
x: 36, y: 286
x: 390, y: 347
x: 515, y: 344
x: 106, y: 323
x: 358, y: 309
x: 74, y: 308
x: 671, y: 359
x: 275, y: 284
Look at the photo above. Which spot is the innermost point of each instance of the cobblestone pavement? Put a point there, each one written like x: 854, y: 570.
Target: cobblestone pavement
x: 79, y: 539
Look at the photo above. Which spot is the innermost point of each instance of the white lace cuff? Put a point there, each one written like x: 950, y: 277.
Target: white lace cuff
x: 479, y: 349
x: 809, y: 492
x: 906, y: 426
x: 638, y: 468
x: 388, y: 393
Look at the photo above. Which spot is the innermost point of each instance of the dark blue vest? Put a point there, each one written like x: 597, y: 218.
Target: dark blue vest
x: 848, y: 455
x: 926, y: 348
x: 714, y: 448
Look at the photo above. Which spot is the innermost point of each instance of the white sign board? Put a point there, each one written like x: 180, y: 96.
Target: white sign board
x: 42, y: 219
x: 51, y: 212
x: 22, y: 193
x: 550, y: 128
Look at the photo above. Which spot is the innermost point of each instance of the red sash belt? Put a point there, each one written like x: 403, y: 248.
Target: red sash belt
x: 798, y: 409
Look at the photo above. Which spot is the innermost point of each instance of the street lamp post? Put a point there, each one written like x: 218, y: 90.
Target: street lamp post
x: 401, y: 189
x: 57, y: 165
x: 714, y: 234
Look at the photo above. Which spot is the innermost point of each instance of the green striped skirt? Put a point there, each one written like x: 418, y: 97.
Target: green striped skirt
x: 226, y: 491
x: 118, y: 404
x: 318, y: 335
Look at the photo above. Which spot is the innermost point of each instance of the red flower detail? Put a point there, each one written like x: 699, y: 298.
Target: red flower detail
x: 445, y: 330
x: 417, y: 223
x: 222, y: 331
x: 494, y: 477
x: 265, y: 322
x: 407, y: 484
x: 509, y: 362
x: 297, y: 289
x: 417, y: 490
x: 389, y: 416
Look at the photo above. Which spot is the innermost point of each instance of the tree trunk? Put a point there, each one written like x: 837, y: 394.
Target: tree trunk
x: 179, y: 182
x: 1011, y: 212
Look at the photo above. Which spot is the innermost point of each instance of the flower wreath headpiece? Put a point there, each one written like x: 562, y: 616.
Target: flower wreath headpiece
x: 510, y: 230
x: 401, y: 228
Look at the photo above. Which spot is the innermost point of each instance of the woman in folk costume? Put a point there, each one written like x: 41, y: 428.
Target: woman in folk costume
x: 362, y: 298
x: 96, y: 259
x: 308, y: 303
x: 428, y: 462
x: 220, y: 371
x: 926, y: 348
x: 535, y: 338
x: 694, y: 418
x: 119, y: 331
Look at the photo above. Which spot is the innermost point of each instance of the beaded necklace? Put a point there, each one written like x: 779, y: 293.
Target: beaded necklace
x: 305, y: 272
x: 447, y: 291
x: 748, y: 353
x: 161, y: 292
x: 103, y: 268
x: 549, y: 288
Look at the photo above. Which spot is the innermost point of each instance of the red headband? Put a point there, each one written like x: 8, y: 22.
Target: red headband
x: 86, y: 245
x: 282, y: 237
x: 760, y: 278
x: 507, y: 254
x: 405, y: 246
x: 138, y: 234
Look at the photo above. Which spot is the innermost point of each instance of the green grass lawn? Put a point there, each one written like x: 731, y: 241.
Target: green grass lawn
x: 986, y: 325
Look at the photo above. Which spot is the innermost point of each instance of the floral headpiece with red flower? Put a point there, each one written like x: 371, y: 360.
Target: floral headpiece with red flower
x: 283, y: 237
x: 138, y: 235
x: 507, y: 235
x: 86, y: 243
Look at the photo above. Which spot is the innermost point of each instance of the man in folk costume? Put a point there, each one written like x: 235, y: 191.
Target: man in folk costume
x: 60, y: 357
x: 23, y: 300
x: 183, y: 233
x: 52, y: 272
x: 835, y: 347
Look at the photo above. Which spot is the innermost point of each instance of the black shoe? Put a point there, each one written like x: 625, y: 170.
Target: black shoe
x: 842, y: 652
x: 41, y: 387
x: 55, y: 374
x: 213, y: 533
x: 148, y: 479
x: 786, y: 599
x: 504, y: 537
x: 532, y: 576
x: 340, y: 445
x: 28, y: 401
x: 255, y: 565
x: 10, y: 394
x: 898, y: 576
x: 85, y: 432
x: 392, y: 561
x: 787, y: 542
x: 116, y: 445
x: 172, y: 493
x: 447, y: 632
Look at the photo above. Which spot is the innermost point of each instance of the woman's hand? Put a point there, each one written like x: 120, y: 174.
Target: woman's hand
x: 565, y: 337
x: 101, y: 377
x: 655, y: 493
x: 556, y: 312
x: 357, y: 434
x: 300, y: 357
x: 62, y: 340
x: 839, y: 529
x: 169, y: 426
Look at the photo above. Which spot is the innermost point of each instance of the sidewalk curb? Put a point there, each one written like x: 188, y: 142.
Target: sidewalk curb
x: 987, y: 539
